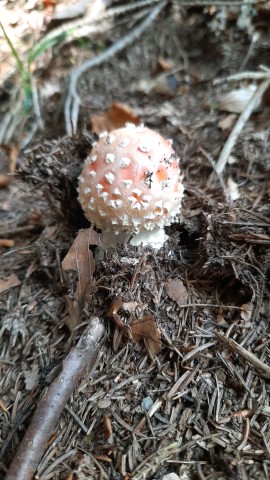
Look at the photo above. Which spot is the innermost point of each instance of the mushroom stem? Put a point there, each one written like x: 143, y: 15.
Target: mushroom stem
x: 154, y: 238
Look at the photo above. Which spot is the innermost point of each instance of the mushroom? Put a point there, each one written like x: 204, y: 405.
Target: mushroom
x: 131, y: 184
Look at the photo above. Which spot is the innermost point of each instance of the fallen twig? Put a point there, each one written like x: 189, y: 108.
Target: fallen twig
x: 243, y: 352
x: 249, y: 75
x: 238, y: 127
x: 79, y: 359
x: 216, y: 3
x: 73, y: 99
x: 51, y: 406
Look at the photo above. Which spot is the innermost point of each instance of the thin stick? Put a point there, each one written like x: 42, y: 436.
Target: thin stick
x: 243, y: 352
x: 73, y: 100
x: 238, y: 77
x: 238, y: 127
x: 216, y: 3
x: 246, y: 434
x: 51, y: 406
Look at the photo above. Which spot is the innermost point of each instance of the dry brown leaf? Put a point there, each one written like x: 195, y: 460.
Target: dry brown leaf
x: 147, y: 330
x: 116, y: 117
x: 5, y: 180
x: 107, y: 427
x: 164, y: 64
x: 10, y: 282
x: 5, y: 242
x: 236, y: 101
x: 80, y: 259
x: 246, y: 412
x: 227, y: 123
x: 116, y: 304
x: 13, y: 158
x: 103, y: 458
x: 177, y: 291
x: 163, y: 85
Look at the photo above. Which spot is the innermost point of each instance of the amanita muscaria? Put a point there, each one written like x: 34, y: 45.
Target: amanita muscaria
x: 131, y: 184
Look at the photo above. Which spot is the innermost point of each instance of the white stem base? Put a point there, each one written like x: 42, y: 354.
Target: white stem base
x: 154, y: 238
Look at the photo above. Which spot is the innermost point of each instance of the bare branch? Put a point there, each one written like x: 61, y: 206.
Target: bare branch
x: 238, y: 127
x: 51, y: 406
x: 243, y: 352
x: 73, y: 100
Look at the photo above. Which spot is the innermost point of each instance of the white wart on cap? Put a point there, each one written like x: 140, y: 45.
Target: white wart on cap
x: 131, y: 184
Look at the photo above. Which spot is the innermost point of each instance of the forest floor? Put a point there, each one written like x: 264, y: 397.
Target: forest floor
x: 196, y: 404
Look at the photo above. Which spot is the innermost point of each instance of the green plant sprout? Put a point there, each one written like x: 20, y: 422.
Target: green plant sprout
x: 24, y: 101
x: 24, y: 69
x: 24, y: 73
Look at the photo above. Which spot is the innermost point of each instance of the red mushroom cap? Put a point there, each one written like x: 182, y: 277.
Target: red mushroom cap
x: 131, y: 181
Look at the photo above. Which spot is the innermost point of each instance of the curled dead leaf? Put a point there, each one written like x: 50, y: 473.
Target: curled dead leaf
x: 116, y: 304
x: 116, y: 117
x: 146, y: 329
x: 80, y: 259
x: 227, y: 123
x: 164, y: 64
x: 236, y: 100
x: 177, y: 291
